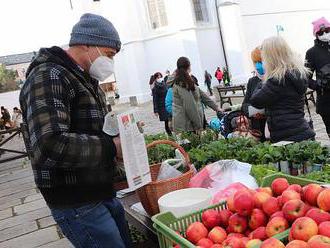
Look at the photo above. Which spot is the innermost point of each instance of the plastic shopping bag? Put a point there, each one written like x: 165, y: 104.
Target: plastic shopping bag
x: 169, y: 169
x: 222, y: 174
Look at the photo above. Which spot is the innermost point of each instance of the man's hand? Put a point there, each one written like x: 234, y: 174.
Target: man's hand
x: 117, y: 143
x: 156, y: 114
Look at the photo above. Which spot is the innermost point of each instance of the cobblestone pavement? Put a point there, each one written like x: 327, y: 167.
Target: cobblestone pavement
x: 25, y: 219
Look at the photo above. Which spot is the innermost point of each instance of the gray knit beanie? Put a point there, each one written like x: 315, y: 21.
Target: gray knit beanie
x: 95, y: 30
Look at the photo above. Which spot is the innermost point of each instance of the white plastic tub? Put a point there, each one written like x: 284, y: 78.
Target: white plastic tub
x: 185, y: 201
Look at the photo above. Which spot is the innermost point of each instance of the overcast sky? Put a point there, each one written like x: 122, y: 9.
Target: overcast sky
x: 27, y: 25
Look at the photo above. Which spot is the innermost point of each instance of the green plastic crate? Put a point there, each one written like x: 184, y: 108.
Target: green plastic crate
x: 167, y: 225
x: 267, y: 181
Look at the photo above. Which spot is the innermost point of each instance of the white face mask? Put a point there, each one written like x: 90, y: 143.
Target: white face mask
x: 325, y: 37
x: 159, y: 80
x: 102, y: 67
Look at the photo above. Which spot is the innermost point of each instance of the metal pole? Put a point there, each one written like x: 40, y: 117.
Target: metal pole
x: 221, y: 35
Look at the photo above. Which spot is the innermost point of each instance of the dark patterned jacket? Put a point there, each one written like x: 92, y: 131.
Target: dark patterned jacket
x: 63, y: 109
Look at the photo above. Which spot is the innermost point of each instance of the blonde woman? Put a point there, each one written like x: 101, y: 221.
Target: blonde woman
x: 283, y: 93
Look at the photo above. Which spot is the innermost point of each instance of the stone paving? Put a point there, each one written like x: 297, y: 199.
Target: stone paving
x: 25, y: 219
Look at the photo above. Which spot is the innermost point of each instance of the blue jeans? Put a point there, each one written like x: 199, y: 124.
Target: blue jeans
x: 98, y: 225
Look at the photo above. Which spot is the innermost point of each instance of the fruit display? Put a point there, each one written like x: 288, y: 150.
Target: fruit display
x: 254, y: 218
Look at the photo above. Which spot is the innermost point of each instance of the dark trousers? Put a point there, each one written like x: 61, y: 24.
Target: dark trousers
x: 95, y: 225
x: 326, y: 120
x: 167, y: 128
x: 208, y: 84
x: 219, y: 80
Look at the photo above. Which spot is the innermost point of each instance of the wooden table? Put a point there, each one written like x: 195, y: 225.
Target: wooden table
x: 141, y: 222
x: 224, y: 90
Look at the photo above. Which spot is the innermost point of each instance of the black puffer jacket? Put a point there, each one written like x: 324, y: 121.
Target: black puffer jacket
x: 159, y: 95
x: 284, y: 104
x: 318, y: 57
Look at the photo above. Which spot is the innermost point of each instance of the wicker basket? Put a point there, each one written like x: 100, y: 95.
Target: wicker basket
x: 150, y: 193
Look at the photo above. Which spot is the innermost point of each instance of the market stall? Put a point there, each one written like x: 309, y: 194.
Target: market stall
x: 299, y: 163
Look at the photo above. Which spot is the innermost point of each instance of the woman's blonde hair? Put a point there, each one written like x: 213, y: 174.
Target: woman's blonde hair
x: 279, y: 59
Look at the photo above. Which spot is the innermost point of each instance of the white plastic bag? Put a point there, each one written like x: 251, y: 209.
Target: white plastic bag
x: 223, y: 173
x: 168, y: 169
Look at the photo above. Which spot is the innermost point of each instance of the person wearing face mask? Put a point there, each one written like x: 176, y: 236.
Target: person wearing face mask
x: 63, y: 111
x: 258, y: 121
x: 318, y: 61
x: 159, y: 92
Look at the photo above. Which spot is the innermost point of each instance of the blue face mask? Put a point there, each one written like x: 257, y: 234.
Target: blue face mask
x: 260, y: 68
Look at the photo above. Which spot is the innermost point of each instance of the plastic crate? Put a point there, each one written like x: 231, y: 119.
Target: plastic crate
x: 267, y: 181
x: 167, y: 225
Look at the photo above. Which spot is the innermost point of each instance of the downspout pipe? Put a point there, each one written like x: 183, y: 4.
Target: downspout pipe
x: 221, y: 35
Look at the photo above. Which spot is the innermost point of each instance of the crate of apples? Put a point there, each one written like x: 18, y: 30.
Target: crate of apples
x: 254, y: 217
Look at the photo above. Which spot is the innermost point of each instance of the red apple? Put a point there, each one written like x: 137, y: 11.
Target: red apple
x: 295, y: 187
x: 230, y: 203
x: 205, y: 243
x: 279, y: 185
x: 272, y: 243
x: 245, y: 240
x: 297, y: 244
x: 211, y: 218
x: 311, y: 193
x: 288, y: 195
x: 258, y: 218
x: 323, y: 200
x: 276, y: 225
x: 224, y: 217
x: 217, y: 235
x: 260, y: 198
x: 196, y: 231
x: 294, y: 209
x: 259, y: 233
x: 270, y: 206
x: 244, y: 203
x: 267, y: 190
x: 319, y: 241
x: 279, y: 200
x: 324, y: 229
x: 276, y: 214
x: 236, y: 235
x: 233, y: 242
x: 318, y: 215
x: 304, y: 228
x: 217, y: 246
x: 253, y: 243
x: 237, y: 223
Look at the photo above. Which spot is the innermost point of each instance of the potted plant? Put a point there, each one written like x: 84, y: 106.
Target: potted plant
x: 295, y: 159
x: 319, y: 157
x: 305, y: 154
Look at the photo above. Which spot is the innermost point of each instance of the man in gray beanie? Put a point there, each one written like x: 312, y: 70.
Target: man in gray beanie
x: 63, y: 114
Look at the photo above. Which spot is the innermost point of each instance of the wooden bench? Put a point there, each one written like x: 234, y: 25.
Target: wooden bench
x: 12, y: 133
x: 226, y: 93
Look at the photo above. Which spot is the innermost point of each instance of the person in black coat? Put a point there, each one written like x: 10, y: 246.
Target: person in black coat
x: 208, y: 81
x: 283, y: 93
x: 258, y: 121
x: 318, y: 60
x: 159, y: 92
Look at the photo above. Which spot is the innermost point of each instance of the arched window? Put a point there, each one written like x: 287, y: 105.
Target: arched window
x: 157, y: 13
x: 201, y: 11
